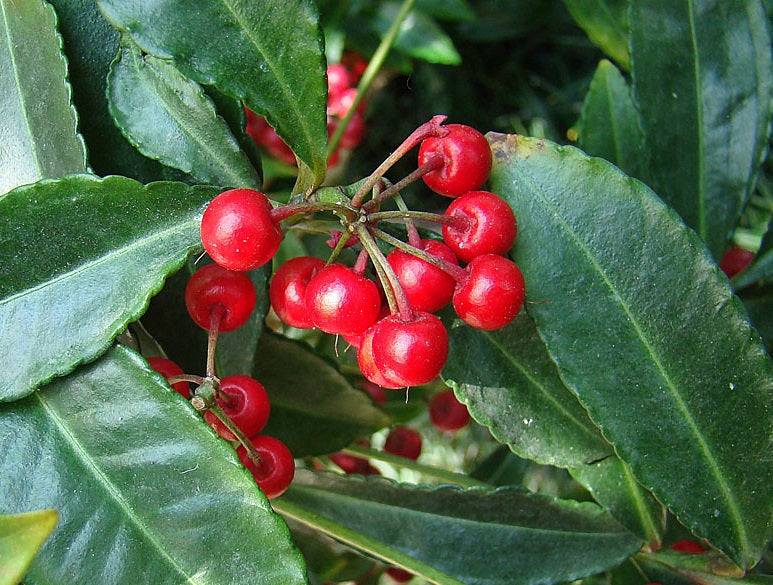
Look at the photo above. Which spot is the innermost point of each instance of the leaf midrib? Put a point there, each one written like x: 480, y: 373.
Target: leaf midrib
x: 102, y: 479
x: 714, y: 467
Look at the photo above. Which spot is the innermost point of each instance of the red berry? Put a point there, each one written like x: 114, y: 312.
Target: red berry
x: 427, y: 287
x: 340, y: 301
x: 356, y: 64
x: 339, y: 105
x: 735, y: 260
x: 338, y: 79
x: 404, y: 442
x: 275, y: 146
x: 167, y: 368
x: 488, y: 225
x: 410, y: 353
x: 466, y: 157
x: 255, y: 124
x: 245, y: 402
x: 287, y: 291
x: 399, y: 575
x: 447, y: 413
x: 376, y: 392
x: 276, y: 468
x: 493, y: 293
x: 687, y: 546
x: 211, y: 288
x: 350, y: 463
x: 237, y: 229
x: 367, y: 363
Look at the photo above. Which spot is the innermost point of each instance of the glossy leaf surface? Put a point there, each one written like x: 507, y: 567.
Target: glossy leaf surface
x: 79, y: 258
x: 606, y: 24
x: 609, y: 122
x: 21, y: 536
x: 477, y: 536
x: 509, y: 383
x: 267, y: 53
x: 314, y: 409
x: 38, y: 125
x: 145, y: 491
x: 702, y: 79
x: 645, y: 330
x: 169, y: 118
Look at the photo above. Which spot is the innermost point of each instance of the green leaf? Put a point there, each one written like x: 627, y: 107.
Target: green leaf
x: 509, y: 383
x: 478, y: 536
x: 761, y: 267
x: 606, y: 24
x: 38, y: 125
x: 91, y: 44
x: 759, y: 303
x: 79, y: 258
x: 612, y: 485
x: 609, y: 122
x: 267, y: 54
x: 145, y: 490
x: 314, y: 409
x: 686, y: 569
x: 21, y: 536
x: 455, y: 10
x: 645, y: 330
x: 702, y: 79
x: 419, y: 37
x: 169, y: 118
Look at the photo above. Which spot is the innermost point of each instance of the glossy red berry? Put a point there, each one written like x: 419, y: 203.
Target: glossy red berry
x: 466, y: 157
x: 245, y: 401
x: 735, y: 260
x: 287, y: 291
x: 167, y: 368
x: 350, y: 464
x: 404, y: 442
x: 427, y: 287
x: 367, y: 364
x: 276, y: 468
x: 687, y: 546
x: 492, y: 294
x: 237, y: 230
x: 410, y: 353
x: 213, y: 288
x: 340, y: 301
x: 446, y: 413
x: 338, y: 79
x: 487, y: 225
x: 399, y: 575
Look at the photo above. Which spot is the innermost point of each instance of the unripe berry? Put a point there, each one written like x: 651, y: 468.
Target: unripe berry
x: 237, y: 230
x: 488, y: 225
x: 213, y: 288
x: 466, y: 158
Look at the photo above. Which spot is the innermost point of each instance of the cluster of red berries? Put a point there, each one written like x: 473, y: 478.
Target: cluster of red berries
x: 342, y: 79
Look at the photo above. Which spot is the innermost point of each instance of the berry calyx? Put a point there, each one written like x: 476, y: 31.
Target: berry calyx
x: 404, y: 442
x: 276, y: 468
x: 446, y: 413
x: 237, y: 230
x: 167, y: 368
x: 245, y: 401
x: 466, y: 158
x: 340, y: 301
x: 287, y: 290
x: 230, y: 295
x: 427, y: 287
x: 492, y: 294
x: 408, y: 353
x: 485, y: 225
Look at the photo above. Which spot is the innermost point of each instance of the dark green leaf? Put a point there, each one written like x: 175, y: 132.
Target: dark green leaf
x: 146, y: 492
x: 612, y: 485
x: 38, y: 125
x: 759, y: 303
x: 511, y: 385
x: 457, y: 10
x: 761, y: 267
x: 21, y: 536
x: 645, y: 330
x: 419, y: 37
x: 266, y: 53
x: 79, y: 258
x: 314, y: 409
x: 478, y: 536
x: 606, y: 24
x: 169, y: 118
x: 702, y: 79
x: 609, y: 122
x: 91, y: 44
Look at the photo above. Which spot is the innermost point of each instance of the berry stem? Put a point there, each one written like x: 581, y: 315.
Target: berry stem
x: 216, y: 315
x: 414, y: 238
x: 398, y: 301
x: 433, y: 163
x: 361, y: 263
x: 198, y: 380
x: 432, y: 128
x: 455, y: 221
x: 285, y: 211
x: 458, y: 273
